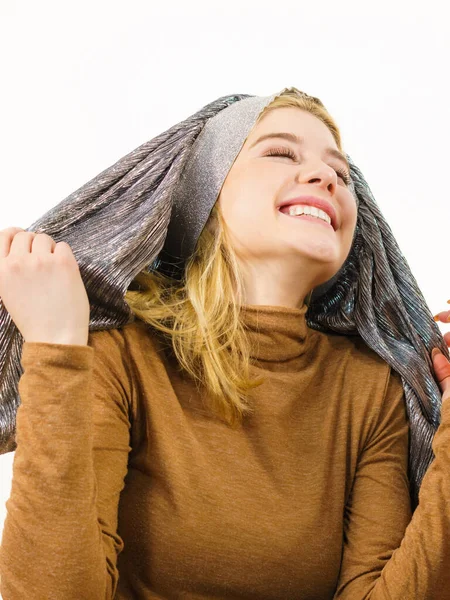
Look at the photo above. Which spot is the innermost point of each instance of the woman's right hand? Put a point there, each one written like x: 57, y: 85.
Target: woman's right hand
x: 42, y: 289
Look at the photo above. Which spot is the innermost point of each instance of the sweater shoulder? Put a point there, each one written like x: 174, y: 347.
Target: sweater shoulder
x: 356, y: 352
x: 360, y: 367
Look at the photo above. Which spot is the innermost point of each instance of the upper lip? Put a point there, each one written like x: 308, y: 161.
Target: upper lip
x: 314, y: 201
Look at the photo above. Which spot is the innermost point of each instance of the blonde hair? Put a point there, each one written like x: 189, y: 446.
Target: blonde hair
x: 199, y: 315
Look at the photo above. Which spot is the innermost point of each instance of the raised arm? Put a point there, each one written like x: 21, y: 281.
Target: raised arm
x: 60, y: 534
x: 387, y: 554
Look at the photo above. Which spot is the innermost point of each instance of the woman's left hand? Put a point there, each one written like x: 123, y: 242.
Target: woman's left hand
x: 440, y: 364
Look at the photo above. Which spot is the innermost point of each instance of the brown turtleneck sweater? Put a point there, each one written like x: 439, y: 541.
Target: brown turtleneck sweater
x: 124, y: 487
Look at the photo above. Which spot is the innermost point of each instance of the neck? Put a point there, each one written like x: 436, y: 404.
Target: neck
x: 272, y: 286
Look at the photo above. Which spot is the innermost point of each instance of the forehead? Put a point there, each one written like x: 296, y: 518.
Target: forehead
x: 296, y: 121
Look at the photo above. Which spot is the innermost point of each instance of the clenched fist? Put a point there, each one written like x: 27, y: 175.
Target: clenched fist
x: 41, y: 288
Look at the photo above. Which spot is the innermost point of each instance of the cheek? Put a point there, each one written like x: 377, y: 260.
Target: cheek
x: 243, y: 219
x: 350, y: 211
x: 247, y: 197
x: 241, y: 214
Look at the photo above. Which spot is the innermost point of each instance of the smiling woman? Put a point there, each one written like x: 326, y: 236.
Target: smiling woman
x: 307, y: 250
x: 233, y: 264
x: 223, y: 434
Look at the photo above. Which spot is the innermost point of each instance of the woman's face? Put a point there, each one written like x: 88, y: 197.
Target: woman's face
x: 274, y: 249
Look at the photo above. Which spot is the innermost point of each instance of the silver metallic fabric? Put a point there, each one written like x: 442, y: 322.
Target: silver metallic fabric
x: 148, y: 210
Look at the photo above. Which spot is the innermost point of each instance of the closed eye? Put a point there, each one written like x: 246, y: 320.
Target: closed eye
x: 282, y: 151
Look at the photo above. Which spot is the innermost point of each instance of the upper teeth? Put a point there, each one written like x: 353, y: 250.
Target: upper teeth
x: 299, y: 209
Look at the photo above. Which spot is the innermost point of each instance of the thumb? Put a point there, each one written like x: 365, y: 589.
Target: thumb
x: 442, y: 371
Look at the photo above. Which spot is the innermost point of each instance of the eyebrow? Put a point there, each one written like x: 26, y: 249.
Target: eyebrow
x: 299, y: 140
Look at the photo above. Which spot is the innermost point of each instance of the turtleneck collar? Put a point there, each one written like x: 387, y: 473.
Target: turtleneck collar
x: 277, y: 333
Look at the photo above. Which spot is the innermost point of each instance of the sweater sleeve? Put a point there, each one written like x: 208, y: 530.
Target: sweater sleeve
x: 60, y: 537
x: 389, y: 554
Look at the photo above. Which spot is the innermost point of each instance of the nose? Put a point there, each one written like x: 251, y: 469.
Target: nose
x: 322, y: 175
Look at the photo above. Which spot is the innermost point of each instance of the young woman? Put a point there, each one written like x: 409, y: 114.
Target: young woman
x: 243, y: 436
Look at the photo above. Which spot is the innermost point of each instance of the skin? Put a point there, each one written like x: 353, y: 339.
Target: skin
x: 275, y: 250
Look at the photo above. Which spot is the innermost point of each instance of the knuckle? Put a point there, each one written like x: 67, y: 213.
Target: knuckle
x: 13, y: 264
x: 22, y: 233
x: 66, y: 257
x: 44, y: 235
x: 38, y: 261
x: 67, y: 250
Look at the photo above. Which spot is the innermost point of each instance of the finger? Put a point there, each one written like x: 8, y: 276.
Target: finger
x: 11, y: 230
x: 64, y: 251
x: 21, y: 243
x: 43, y: 244
x: 6, y: 236
x: 443, y: 316
x: 447, y: 338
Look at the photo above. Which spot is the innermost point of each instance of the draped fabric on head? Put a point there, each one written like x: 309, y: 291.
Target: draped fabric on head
x: 147, y: 211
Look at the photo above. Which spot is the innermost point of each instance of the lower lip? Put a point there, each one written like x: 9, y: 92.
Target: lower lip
x: 308, y: 218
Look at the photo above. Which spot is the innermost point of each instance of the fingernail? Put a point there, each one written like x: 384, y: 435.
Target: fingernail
x: 436, y: 317
x: 448, y: 301
x: 434, y: 352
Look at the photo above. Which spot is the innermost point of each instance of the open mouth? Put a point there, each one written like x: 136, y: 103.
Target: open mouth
x: 310, y: 218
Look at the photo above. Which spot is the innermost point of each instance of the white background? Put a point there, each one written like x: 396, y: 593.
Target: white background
x: 82, y: 85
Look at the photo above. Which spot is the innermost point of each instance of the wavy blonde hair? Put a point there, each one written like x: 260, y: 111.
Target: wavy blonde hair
x: 199, y: 315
